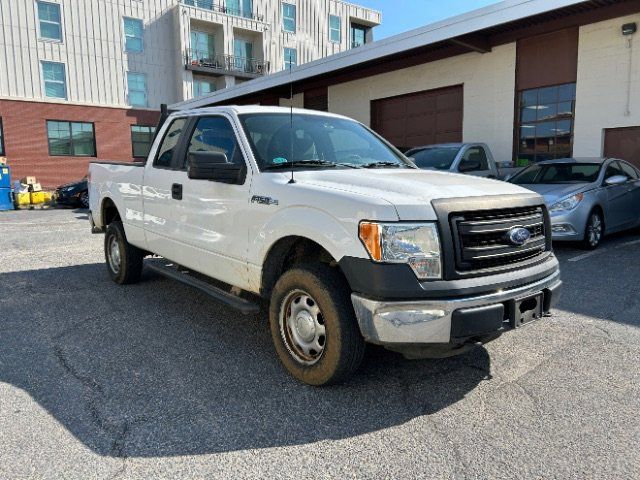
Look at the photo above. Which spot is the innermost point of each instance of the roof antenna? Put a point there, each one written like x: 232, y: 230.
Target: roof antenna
x: 292, y: 180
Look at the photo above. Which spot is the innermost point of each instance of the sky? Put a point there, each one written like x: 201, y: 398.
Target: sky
x: 401, y: 15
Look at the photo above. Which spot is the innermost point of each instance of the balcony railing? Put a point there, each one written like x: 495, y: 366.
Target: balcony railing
x: 226, y: 64
x: 216, y: 7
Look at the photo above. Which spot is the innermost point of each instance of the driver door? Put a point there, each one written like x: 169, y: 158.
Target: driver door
x: 477, y: 157
x: 213, y: 230
x: 620, y: 211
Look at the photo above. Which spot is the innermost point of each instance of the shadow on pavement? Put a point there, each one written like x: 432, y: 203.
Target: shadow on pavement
x: 604, y: 283
x: 157, y: 369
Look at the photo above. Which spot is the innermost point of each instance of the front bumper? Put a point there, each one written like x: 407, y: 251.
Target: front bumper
x: 570, y: 226
x: 452, y: 321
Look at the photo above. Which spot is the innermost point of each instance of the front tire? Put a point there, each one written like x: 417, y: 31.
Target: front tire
x: 84, y: 200
x: 594, y: 231
x: 313, y: 325
x: 124, y: 261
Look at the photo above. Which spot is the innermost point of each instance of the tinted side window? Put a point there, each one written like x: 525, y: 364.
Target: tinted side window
x: 215, y: 134
x: 169, y: 144
x: 629, y: 171
x: 476, y: 154
x: 614, y: 169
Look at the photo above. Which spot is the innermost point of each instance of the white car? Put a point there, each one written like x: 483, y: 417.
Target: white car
x: 348, y: 241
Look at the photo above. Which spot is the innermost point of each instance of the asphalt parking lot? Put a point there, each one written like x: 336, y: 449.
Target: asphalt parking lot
x: 157, y: 381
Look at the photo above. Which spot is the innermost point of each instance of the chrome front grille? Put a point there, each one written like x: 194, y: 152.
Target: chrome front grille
x: 482, y: 242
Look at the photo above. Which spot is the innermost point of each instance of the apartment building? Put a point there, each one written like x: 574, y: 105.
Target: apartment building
x: 84, y: 79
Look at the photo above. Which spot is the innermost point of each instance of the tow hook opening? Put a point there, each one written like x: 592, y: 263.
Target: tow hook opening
x: 528, y: 305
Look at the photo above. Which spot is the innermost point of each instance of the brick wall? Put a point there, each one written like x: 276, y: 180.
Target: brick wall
x: 26, y: 146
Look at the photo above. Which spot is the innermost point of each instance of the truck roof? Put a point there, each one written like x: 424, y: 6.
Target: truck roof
x: 244, y: 109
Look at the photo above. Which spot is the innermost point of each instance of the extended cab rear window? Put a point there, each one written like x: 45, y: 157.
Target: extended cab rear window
x: 164, y: 159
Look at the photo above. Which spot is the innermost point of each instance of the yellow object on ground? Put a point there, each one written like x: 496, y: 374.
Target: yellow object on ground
x: 37, y: 197
x: 48, y: 196
x: 23, y: 199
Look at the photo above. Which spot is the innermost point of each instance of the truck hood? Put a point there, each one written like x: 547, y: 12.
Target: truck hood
x: 409, y: 191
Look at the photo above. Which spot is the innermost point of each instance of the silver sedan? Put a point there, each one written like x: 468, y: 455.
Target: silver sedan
x: 586, y: 198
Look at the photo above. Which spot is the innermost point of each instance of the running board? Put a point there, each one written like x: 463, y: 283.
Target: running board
x: 244, y: 306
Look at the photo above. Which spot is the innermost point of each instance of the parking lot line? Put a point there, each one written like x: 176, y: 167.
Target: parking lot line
x: 587, y: 255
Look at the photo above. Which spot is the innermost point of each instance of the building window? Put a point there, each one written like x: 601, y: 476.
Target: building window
x: 243, y: 53
x: 133, y: 30
x: 335, y: 34
x: 544, y: 126
x: 202, y: 47
x: 240, y: 8
x: 141, y: 139
x: 289, y: 17
x: 55, y: 83
x: 1, y: 139
x: 203, y: 87
x: 71, y: 139
x: 358, y: 35
x: 49, y: 21
x: 137, y: 87
x: 290, y: 58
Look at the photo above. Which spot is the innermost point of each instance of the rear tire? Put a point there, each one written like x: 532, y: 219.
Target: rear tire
x: 124, y: 261
x: 594, y: 231
x: 313, y: 325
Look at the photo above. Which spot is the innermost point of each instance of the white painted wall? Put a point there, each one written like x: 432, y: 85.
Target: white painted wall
x: 489, y: 85
x: 605, y: 58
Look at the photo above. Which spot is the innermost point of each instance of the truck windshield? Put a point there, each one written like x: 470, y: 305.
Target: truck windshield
x: 558, y: 173
x: 281, y: 140
x: 439, y: 158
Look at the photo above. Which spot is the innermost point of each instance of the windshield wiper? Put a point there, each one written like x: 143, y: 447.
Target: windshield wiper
x: 382, y: 164
x: 306, y: 163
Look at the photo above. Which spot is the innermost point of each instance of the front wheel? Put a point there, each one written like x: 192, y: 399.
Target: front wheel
x: 594, y: 231
x: 124, y: 261
x: 313, y: 325
x: 84, y: 199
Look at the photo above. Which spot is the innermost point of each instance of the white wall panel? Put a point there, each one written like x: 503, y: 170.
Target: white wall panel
x: 607, y: 62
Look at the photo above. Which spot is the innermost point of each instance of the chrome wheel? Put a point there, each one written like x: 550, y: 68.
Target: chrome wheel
x: 113, y: 254
x: 302, y: 327
x: 594, y: 229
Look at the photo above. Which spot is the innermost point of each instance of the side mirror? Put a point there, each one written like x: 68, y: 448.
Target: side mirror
x: 616, y: 180
x: 215, y: 167
x: 469, y: 166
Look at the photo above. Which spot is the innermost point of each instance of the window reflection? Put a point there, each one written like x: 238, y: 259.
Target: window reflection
x: 545, y: 123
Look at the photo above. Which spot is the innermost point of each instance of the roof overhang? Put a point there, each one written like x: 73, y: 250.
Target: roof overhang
x: 475, y: 31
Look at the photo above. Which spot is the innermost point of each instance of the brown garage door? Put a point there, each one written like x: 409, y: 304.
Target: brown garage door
x: 422, y: 118
x: 623, y: 143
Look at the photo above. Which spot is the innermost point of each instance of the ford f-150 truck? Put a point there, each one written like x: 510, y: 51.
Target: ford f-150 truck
x: 343, y: 236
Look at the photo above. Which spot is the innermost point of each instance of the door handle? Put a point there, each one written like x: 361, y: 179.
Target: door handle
x: 176, y: 191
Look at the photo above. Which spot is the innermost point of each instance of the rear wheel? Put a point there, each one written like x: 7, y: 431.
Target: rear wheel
x: 594, y: 231
x: 124, y: 261
x: 313, y: 325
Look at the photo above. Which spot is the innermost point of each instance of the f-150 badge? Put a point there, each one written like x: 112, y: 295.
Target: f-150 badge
x: 264, y: 200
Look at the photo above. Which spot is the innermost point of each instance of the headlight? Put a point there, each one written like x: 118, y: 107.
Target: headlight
x: 567, y: 204
x: 416, y: 244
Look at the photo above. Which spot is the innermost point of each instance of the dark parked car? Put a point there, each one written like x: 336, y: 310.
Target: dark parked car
x: 74, y: 194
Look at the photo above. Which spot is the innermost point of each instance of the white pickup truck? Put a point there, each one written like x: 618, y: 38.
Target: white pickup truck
x: 347, y: 240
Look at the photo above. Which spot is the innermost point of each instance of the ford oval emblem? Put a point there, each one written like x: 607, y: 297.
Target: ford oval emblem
x: 519, y: 235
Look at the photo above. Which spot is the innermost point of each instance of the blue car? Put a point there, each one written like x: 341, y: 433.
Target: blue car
x: 586, y: 198
x: 74, y: 194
